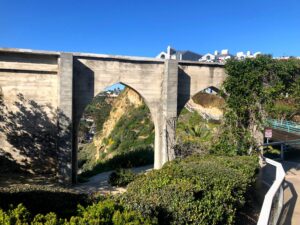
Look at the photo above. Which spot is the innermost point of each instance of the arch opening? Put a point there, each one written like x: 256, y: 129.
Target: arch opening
x: 198, y: 122
x: 116, y: 130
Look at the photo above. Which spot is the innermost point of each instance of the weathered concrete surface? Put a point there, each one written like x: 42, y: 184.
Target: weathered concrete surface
x: 28, y: 125
x: 65, y: 154
x: 194, y: 77
x: 61, y: 85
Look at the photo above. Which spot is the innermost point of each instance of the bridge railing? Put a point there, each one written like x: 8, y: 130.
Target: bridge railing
x: 273, y: 201
x: 285, y: 125
x: 293, y: 144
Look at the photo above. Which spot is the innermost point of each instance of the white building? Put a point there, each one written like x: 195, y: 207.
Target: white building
x: 225, y: 55
x: 179, y: 55
x: 208, y: 57
x: 248, y: 54
x: 216, y: 57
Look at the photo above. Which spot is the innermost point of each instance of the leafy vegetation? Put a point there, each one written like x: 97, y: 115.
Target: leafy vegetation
x: 194, y: 134
x: 284, y: 109
x: 121, y: 177
x: 134, y: 130
x: 63, y: 201
x: 251, y: 90
x: 196, y: 190
x: 106, y: 212
x: 99, y: 110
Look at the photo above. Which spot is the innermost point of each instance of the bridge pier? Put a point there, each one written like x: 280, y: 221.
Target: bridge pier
x: 165, y: 132
x: 65, y: 119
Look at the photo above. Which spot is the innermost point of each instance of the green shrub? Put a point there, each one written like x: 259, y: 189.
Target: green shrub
x: 196, y: 190
x: 121, y: 177
x: 19, y: 215
x: 48, y: 219
x: 109, y: 212
x: 106, y: 212
x: 62, y: 201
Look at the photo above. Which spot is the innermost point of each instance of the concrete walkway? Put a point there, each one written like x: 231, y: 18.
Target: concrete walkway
x: 99, y: 182
x: 291, y: 208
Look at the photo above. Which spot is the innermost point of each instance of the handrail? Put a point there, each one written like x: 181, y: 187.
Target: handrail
x: 265, y: 212
x: 285, y: 125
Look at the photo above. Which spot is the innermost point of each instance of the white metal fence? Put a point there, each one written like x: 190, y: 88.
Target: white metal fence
x: 273, y: 201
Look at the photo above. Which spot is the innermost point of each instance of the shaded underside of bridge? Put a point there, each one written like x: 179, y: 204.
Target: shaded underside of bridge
x: 45, y: 94
x: 291, y: 144
x: 280, y: 135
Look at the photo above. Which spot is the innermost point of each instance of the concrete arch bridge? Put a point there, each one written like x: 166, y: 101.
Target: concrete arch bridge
x: 45, y: 93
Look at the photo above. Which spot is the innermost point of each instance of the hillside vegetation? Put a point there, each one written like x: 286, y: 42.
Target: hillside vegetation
x: 127, y: 131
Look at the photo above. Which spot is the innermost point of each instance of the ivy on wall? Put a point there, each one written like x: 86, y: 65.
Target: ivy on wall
x: 252, y: 91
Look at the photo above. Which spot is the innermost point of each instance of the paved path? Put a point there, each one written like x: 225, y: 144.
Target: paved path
x: 291, y: 208
x: 98, y: 183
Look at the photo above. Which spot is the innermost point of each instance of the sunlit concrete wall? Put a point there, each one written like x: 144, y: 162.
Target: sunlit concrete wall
x: 45, y: 94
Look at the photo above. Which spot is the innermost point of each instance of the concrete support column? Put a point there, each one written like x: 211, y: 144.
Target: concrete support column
x: 65, y: 114
x: 167, y: 117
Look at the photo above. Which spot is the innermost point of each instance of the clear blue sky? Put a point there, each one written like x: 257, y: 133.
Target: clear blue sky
x: 146, y: 27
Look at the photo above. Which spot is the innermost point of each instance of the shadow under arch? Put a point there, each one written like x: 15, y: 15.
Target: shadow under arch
x: 79, y: 116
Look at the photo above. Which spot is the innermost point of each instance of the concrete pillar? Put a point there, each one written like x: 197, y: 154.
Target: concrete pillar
x: 65, y: 114
x: 166, y: 125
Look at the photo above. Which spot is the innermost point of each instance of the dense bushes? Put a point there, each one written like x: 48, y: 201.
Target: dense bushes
x: 121, y: 177
x: 42, y: 199
x: 196, y: 190
x: 251, y: 90
x: 105, y: 212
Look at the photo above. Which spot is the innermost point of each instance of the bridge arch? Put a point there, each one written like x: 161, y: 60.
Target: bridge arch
x: 77, y: 125
x: 195, y: 77
x: 92, y: 75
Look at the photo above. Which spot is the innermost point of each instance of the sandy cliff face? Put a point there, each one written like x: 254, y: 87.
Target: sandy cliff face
x: 128, y: 99
x: 209, y: 106
x: 207, y: 112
